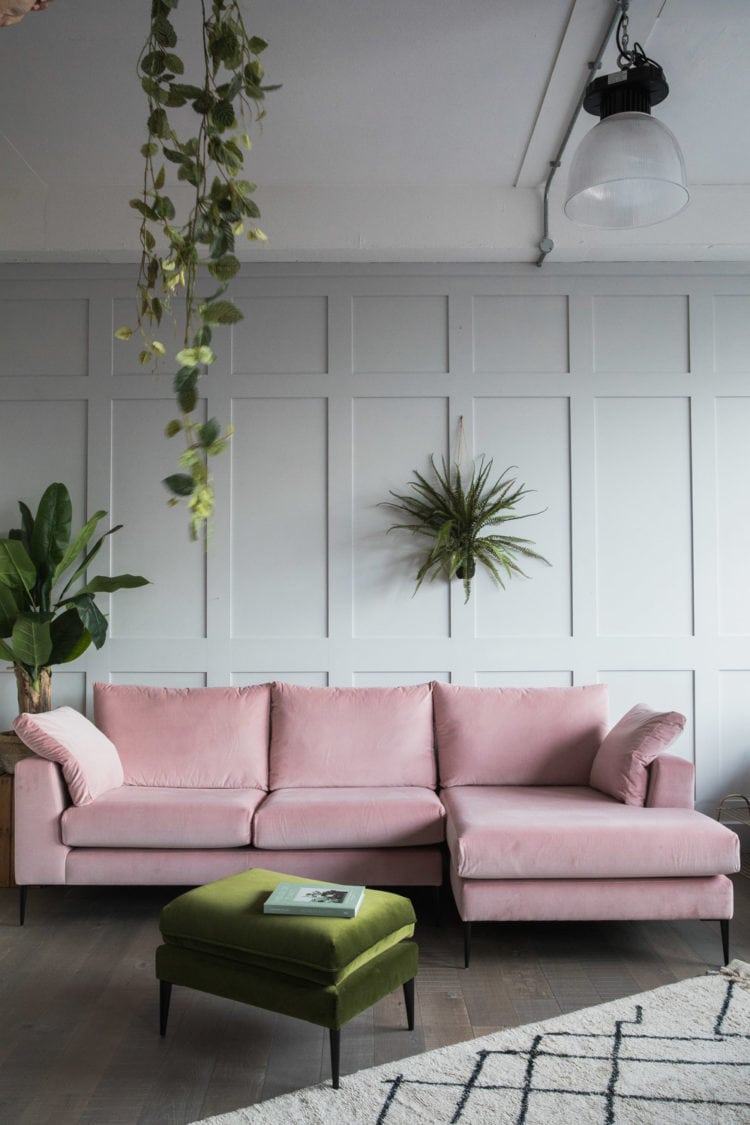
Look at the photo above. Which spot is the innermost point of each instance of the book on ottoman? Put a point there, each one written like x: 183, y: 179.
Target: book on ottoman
x: 325, y: 900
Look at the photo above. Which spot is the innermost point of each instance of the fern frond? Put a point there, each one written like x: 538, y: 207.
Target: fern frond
x: 453, y: 513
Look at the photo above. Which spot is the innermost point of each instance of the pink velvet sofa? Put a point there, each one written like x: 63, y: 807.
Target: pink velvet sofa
x: 183, y: 786
x: 551, y: 817
x: 547, y: 814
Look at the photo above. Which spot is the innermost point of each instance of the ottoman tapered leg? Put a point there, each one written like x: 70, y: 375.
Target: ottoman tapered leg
x: 165, y: 995
x: 335, y: 1037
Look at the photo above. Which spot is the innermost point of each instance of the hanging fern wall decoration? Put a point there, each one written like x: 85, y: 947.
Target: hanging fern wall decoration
x: 458, y: 517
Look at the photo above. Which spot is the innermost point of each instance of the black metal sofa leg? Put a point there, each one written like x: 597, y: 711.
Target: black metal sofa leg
x: 22, y: 896
x: 467, y: 943
x: 724, y: 923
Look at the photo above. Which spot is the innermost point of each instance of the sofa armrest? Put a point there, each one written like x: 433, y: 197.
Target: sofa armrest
x: 671, y: 783
x: 40, y: 798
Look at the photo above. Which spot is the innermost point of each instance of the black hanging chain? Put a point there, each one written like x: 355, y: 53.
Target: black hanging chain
x: 629, y: 58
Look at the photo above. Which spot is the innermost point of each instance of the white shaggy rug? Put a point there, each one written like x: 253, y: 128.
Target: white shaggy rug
x: 679, y: 1054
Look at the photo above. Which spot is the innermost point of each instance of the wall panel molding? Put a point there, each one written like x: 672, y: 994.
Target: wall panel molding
x: 620, y: 392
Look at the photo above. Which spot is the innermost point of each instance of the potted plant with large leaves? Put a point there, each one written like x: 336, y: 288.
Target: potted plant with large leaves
x: 458, y: 517
x: 48, y: 610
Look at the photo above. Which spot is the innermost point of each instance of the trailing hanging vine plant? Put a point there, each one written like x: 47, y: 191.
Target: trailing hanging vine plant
x: 208, y: 153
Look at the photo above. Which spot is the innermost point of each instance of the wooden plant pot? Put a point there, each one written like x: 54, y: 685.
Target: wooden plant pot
x: 12, y: 750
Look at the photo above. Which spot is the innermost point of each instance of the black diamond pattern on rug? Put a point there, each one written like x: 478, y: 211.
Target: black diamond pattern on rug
x: 625, y: 1073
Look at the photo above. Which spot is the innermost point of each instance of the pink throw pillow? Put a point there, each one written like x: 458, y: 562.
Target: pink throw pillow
x: 620, y: 767
x: 90, y: 762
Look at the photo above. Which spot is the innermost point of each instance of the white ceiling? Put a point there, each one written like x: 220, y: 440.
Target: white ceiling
x: 405, y: 129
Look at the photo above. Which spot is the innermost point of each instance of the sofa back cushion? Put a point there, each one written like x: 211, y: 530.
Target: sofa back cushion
x: 197, y: 738
x: 90, y: 763
x: 351, y: 736
x: 518, y: 736
x: 620, y: 768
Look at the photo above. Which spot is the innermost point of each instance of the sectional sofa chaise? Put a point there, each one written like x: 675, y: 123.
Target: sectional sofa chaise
x: 547, y: 814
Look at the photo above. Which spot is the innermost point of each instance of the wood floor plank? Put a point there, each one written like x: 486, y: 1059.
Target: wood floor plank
x: 79, y: 999
x: 241, y: 1059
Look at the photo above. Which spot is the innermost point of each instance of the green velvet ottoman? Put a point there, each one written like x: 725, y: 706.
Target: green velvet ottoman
x: 324, y: 970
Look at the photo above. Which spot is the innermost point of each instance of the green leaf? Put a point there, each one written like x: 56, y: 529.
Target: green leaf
x: 225, y: 268
x: 163, y: 32
x: 27, y: 525
x: 175, y: 63
x: 172, y: 427
x: 107, y: 584
x: 7, y: 653
x: 9, y: 610
x: 31, y: 639
x: 154, y: 63
x: 203, y: 102
x: 149, y: 149
x: 17, y: 571
x: 52, y: 526
x: 70, y: 638
x: 164, y: 207
x: 220, y: 312
x: 179, y: 483
x: 124, y: 333
x: 251, y: 209
x: 176, y: 156
x: 225, y: 47
x: 78, y: 545
x: 171, y: 99
x: 221, y: 243
x: 158, y: 123
x: 86, y: 561
x: 209, y: 432
x: 188, y: 357
x: 144, y: 209
x: 92, y: 618
x: 222, y: 115
x: 185, y: 90
x: 187, y: 397
x: 256, y: 44
x: 254, y: 71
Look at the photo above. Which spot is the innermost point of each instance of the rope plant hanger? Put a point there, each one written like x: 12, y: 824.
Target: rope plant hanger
x: 458, y: 515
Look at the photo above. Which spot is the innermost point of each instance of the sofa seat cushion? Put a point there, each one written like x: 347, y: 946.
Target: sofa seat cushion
x: 575, y: 832
x: 138, y: 816
x: 196, y: 738
x: 370, y: 736
x: 368, y: 817
x: 518, y: 736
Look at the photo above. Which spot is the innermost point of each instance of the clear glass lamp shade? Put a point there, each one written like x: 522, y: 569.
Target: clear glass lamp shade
x: 628, y: 172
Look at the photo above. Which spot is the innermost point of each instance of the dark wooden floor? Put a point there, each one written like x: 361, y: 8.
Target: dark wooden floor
x: 79, y: 1035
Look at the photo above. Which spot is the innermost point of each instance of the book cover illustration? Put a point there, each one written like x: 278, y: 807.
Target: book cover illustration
x: 324, y: 900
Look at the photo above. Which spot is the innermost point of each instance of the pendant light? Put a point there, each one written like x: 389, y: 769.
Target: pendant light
x: 629, y: 170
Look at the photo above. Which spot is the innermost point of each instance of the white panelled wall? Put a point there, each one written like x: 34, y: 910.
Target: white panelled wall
x: 622, y: 395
